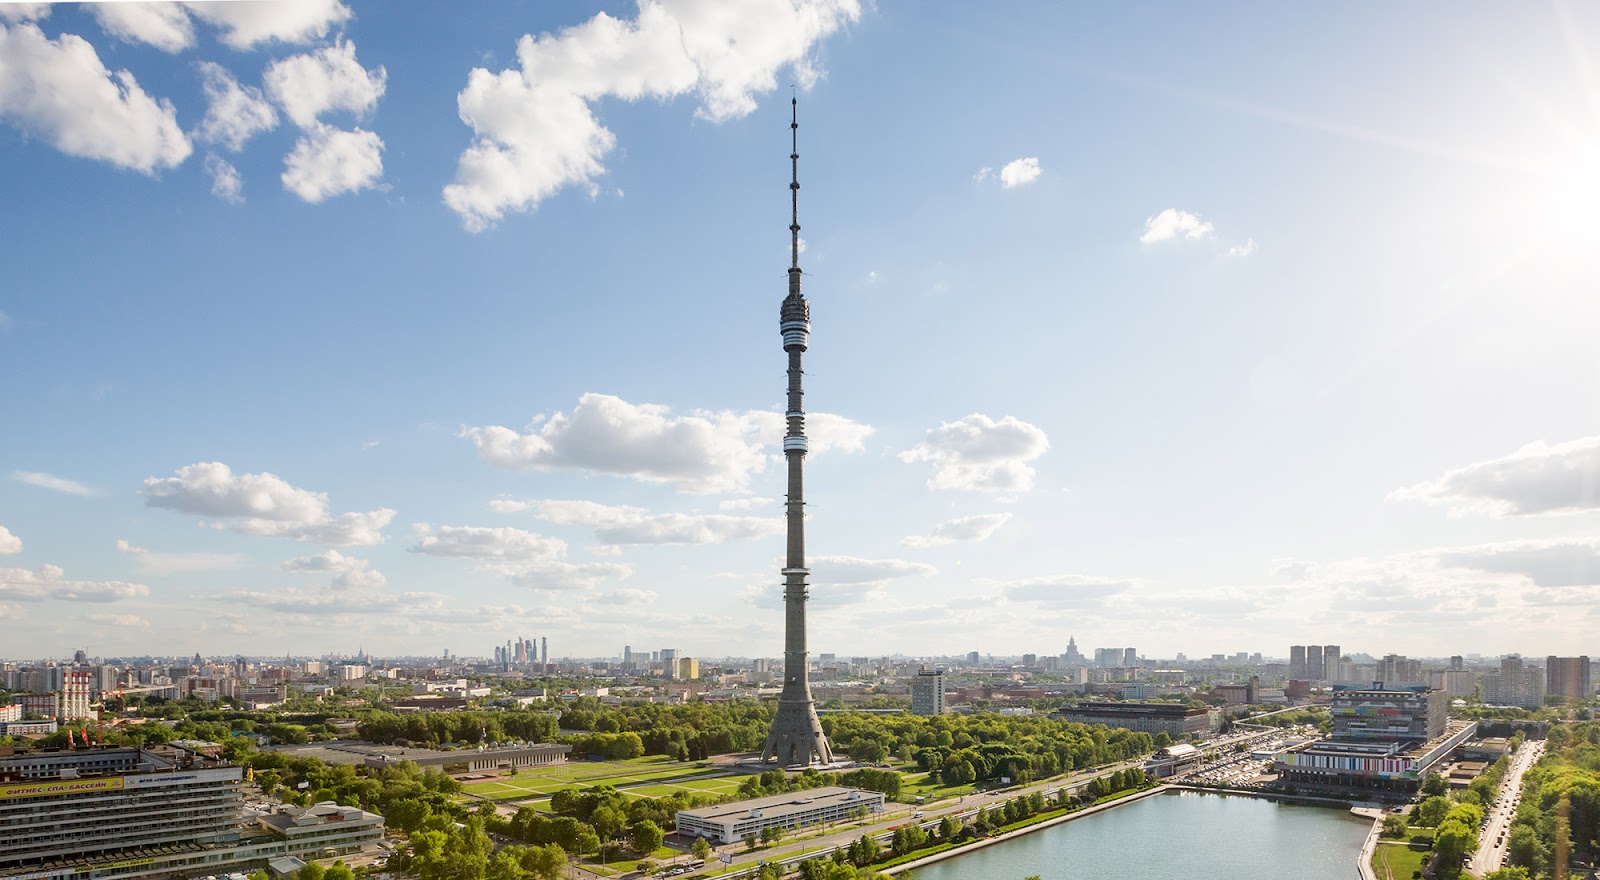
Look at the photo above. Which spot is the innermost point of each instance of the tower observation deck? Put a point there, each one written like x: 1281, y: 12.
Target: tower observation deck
x: 796, y: 739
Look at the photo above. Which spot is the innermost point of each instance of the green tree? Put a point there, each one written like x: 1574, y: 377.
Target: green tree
x: 547, y: 862
x: 339, y: 871
x: 1433, y: 784
x: 701, y: 849
x: 750, y: 840
x: 1394, y: 826
x: 505, y: 866
x: 1514, y: 872
x: 645, y: 837
x: 1431, y: 812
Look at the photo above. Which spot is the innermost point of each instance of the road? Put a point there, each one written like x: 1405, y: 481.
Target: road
x: 1493, y: 839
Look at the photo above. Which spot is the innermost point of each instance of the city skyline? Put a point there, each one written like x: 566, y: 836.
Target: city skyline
x: 338, y: 325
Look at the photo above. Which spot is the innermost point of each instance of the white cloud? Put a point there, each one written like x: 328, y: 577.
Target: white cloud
x: 350, y: 573
x: 984, y: 173
x: 1547, y: 562
x: 327, y: 161
x: 122, y: 620
x: 700, y: 453
x: 507, y: 505
x: 24, y: 11
x: 534, y: 128
x: 170, y: 563
x: 605, y: 550
x: 478, y: 542
x: 855, y: 570
x: 234, y: 113
x: 967, y: 528
x: 9, y: 544
x: 225, y: 181
x: 309, y: 85
x: 263, y: 504
x: 747, y: 503
x: 979, y: 454
x: 841, y: 580
x: 11, y: 611
x: 45, y: 582
x: 1064, y: 590
x: 325, y: 602
x: 1536, y: 479
x: 59, y: 91
x: 1020, y: 172
x: 164, y: 25
x: 562, y: 575
x: 634, y: 525
x: 1171, y: 223
x: 247, y: 23
x: 626, y: 597
x: 52, y: 482
x: 1243, y: 250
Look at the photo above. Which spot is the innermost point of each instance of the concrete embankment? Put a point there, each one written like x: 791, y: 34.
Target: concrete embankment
x: 998, y: 838
x: 1370, y: 845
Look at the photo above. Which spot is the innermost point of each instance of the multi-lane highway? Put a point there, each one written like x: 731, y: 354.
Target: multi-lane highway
x: 1494, y: 836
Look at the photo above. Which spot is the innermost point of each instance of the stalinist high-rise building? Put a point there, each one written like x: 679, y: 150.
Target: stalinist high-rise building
x: 796, y: 738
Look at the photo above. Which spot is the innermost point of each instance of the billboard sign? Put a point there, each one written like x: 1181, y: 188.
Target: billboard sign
x: 13, y: 791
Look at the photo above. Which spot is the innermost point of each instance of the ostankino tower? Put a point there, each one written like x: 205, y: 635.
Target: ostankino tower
x: 796, y: 738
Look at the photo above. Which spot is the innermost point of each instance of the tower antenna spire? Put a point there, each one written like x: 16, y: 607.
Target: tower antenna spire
x: 794, y: 196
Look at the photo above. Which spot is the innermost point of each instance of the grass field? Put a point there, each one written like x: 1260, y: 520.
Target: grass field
x: 1398, y: 861
x: 654, y: 776
x: 543, y: 781
x: 916, y: 783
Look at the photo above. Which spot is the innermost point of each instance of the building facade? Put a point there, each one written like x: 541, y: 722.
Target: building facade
x: 927, y: 692
x: 1568, y: 677
x: 813, y: 807
x: 1515, y: 683
x: 1392, y: 714
x: 153, y: 812
x: 1174, y: 719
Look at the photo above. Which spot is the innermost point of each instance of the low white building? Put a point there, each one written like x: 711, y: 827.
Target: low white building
x: 729, y: 823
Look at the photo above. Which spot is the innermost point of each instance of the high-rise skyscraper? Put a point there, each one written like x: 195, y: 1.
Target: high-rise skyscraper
x: 1567, y: 677
x: 1297, y: 662
x: 1314, y: 669
x: 796, y: 738
x: 544, y: 650
x: 1330, y: 663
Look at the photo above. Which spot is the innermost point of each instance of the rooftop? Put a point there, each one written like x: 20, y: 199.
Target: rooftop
x: 783, y: 804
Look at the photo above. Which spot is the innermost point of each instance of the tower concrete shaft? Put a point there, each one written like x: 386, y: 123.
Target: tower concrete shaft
x: 796, y: 738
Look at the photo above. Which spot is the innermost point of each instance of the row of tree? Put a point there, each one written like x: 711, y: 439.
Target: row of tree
x: 1558, y: 820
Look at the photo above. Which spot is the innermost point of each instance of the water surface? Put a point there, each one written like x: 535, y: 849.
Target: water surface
x: 1176, y: 836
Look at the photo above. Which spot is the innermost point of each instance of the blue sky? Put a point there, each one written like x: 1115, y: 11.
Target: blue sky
x: 422, y: 326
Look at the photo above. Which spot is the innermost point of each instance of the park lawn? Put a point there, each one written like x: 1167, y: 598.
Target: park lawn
x: 727, y: 785
x: 628, y: 866
x: 918, y: 783
x: 1398, y: 861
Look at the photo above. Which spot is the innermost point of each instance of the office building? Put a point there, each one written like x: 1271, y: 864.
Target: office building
x: 1514, y: 684
x: 1130, y: 658
x: 1385, y: 737
x: 688, y: 668
x: 813, y: 807
x: 1567, y: 677
x: 1174, y: 719
x: 1297, y: 662
x: 153, y: 812
x: 1331, y: 668
x: 927, y: 692
x: 1388, y: 713
x: 1395, y: 669
x: 1315, y: 670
